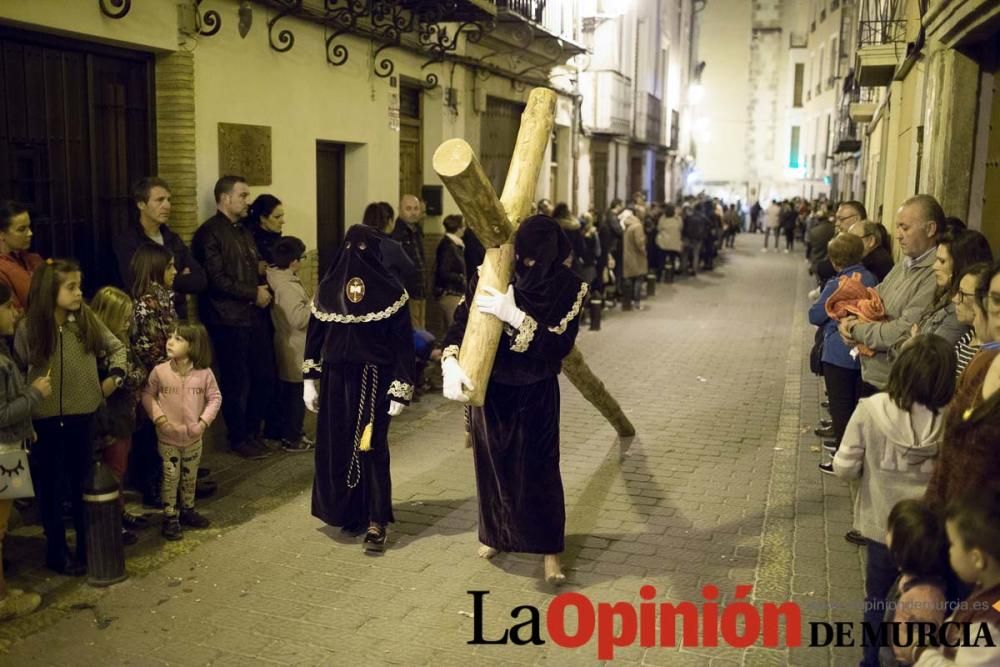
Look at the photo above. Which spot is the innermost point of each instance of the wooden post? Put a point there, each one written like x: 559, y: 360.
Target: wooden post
x: 482, y: 333
x: 578, y: 372
x: 529, y: 154
x: 465, y: 179
x: 494, y: 222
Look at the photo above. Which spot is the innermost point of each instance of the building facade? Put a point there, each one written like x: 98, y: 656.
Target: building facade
x: 634, y: 99
x: 327, y: 105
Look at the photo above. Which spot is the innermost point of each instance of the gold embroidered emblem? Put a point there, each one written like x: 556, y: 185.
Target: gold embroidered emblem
x: 355, y: 290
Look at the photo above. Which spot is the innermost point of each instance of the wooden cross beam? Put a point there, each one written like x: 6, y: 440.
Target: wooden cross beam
x: 494, y: 220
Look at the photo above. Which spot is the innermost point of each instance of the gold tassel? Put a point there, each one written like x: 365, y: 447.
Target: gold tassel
x: 366, y: 439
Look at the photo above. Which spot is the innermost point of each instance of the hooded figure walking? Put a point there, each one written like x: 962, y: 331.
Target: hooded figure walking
x: 515, y: 435
x: 360, y: 344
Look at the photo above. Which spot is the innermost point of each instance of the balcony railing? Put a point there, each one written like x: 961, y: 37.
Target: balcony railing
x: 610, y: 109
x: 798, y: 40
x: 533, y: 10
x: 880, y: 23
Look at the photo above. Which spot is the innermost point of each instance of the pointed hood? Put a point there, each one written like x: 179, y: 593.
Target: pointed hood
x: 912, y: 437
x: 358, y: 288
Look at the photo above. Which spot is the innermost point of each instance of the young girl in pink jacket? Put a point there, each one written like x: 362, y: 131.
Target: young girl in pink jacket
x: 182, y: 398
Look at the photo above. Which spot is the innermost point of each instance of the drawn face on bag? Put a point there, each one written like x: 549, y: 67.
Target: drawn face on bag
x: 13, y: 478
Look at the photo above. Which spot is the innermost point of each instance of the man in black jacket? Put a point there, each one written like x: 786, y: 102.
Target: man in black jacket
x: 407, y: 231
x: 232, y: 310
x: 152, y: 198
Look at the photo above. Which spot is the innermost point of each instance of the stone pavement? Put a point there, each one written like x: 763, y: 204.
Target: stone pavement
x: 719, y: 487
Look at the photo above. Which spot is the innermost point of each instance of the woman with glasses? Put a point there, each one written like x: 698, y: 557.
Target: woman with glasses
x: 968, y: 458
x: 969, y: 312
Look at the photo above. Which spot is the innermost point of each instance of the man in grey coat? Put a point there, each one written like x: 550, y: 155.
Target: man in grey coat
x: 906, y: 291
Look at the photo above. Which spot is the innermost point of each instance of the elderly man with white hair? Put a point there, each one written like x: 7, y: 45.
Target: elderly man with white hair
x: 906, y: 291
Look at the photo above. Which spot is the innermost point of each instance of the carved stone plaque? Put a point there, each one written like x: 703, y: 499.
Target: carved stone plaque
x: 245, y: 150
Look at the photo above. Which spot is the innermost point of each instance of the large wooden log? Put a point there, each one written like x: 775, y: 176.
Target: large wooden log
x: 465, y: 179
x: 482, y: 333
x: 578, y: 372
x: 529, y: 154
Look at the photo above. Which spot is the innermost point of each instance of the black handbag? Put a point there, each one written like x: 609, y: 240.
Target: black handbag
x: 816, y: 353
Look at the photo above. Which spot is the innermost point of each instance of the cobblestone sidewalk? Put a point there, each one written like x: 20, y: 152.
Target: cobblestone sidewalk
x: 719, y: 487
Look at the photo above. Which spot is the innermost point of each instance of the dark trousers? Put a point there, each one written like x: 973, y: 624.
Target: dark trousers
x: 245, y: 359
x: 60, y: 461
x: 289, y: 413
x: 145, y: 466
x: 843, y: 390
x: 789, y: 239
x: 868, y: 389
x: 880, y: 573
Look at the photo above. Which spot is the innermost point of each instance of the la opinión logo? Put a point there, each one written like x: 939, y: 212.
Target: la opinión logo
x: 738, y: 624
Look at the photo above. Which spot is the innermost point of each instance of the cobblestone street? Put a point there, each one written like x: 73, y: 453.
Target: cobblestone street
x: 720, y: 487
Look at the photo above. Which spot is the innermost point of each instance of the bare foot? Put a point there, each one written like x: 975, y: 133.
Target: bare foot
x: 553, y: 570
x: 486, y: 552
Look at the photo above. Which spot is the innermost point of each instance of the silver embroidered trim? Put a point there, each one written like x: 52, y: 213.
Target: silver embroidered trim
x: 573, y: 312
x: 401, y: 390
x: 310, y: 365
x: 525, y: 334
x: 450, y: 351
x: 356, y: 319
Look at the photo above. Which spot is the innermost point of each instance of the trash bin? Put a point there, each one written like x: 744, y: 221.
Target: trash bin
x: 105, y: 550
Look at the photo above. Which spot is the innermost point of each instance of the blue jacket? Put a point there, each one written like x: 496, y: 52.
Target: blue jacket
x: 835, y: 351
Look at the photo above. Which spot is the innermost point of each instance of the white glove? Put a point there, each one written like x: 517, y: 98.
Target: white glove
x: 500, y: 305
x: 310, y: 395
x: 395, y: 408
x: 454, y: 378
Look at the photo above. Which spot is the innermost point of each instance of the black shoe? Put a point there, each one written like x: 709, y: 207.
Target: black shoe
x: 67, y: 565
x: 855, y: 537
x: 827, y: 468
x: 299, y: 446
x: 134, y: 521
x: 825, y: 405
x: 252, y: 450
x: 824, y: 432
x: 825, y: 423
x: 171, y: 529
x: 203, y: 473
x: 830, y: 446
x: 128, y: 537
x: 375, y: 538
x: 193, y: 519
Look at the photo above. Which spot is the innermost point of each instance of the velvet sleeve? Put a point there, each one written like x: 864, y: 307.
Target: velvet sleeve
x: 404, y: 364
x: 548, y: 342
x: 312, y: 364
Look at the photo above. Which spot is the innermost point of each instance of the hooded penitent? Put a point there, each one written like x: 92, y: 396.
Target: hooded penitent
x: 357, y: 287
x: 547, y: 290
x: 360, y: 341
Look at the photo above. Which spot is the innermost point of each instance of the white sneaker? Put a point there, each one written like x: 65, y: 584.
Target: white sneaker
x: 764, y: 249
x: 786, y: 251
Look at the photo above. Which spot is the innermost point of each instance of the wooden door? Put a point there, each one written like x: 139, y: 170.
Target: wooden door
x: 599, y: 174
x: 329, y: 201
x: 500, y: 125
x: 660, y: 186
x: 76, y: 128
x: 636, y: 183
x: 410, y: 140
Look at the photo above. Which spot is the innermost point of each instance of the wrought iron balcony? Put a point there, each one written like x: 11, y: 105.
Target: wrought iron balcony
x: 649, y: 119
x: 533, y: 10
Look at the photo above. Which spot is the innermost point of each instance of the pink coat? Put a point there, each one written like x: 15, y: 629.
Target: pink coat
x: 183, y: 400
